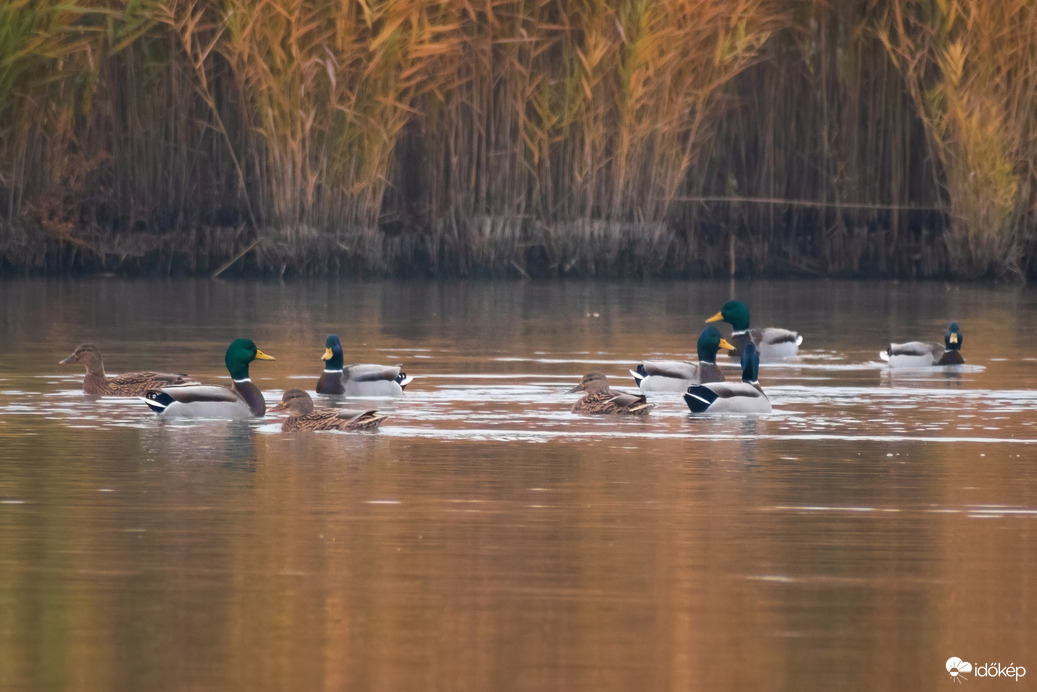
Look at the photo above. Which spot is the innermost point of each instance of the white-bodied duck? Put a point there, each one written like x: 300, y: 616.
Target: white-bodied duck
x: 773, y: 343
x: 360, y: 379
x: 242, y: 399
x: 678, y: 375
x: 924, y: 354
x: 746, y: 396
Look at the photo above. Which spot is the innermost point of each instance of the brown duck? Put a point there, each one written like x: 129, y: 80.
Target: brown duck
x: 600, y: 399
x: 97, y: 383
x: 302, y: 415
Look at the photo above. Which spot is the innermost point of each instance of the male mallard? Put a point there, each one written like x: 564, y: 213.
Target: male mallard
x: 773, y: 343
x: 677, y: 375
x: 732, y: 397
x: 241, y: 400
x: 130, y: 384
x: 923, y: 354
x: 601, y: 399
x: 302, y: 416
x: 362, y: 379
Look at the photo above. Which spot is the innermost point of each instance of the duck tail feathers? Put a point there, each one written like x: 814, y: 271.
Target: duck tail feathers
x: 639, y: 374
x: 157, y: 400
x: 699, y: 398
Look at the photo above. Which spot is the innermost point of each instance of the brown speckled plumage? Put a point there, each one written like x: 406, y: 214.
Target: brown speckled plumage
x: 97, y: 383
x: 600, y: 399
x: 302, y: 415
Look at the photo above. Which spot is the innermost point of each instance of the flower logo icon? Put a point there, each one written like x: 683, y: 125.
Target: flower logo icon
x: 956, y: 667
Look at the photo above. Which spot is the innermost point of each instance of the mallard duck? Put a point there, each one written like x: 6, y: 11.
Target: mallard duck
x: 302, y: 416
x: 732, y: 397
x: 362, y: 379
x: 773, y: 343
x: 677, y: 375
x: 97, y: 383
x: 601, y: 399
x: 241, y: 400
x: 923, y: 354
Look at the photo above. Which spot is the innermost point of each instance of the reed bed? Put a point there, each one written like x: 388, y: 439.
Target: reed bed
x: 518, y: 137
x: 971, y: 70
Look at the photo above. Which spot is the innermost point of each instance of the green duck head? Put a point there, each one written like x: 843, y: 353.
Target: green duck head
x: 710, y: 342
x: 953, y: 338
x: 332, y: 353
x: 735, y: 313
x: 240, y: 353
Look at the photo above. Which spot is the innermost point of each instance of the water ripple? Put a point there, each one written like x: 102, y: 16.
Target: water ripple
x: 842, y: 401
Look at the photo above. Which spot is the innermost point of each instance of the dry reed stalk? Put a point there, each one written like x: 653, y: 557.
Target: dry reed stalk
x: 388, y: 134
x: 327, y: 90
x: 48, y: 69
x: 972, y: 71
x: 675, y: 60
x: 821, y: 120
x: 609, y: 102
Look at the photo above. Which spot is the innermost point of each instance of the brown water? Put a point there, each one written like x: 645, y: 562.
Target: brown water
x: 486, y: 539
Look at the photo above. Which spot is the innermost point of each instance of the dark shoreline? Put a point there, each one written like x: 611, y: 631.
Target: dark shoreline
x: 619, y: 251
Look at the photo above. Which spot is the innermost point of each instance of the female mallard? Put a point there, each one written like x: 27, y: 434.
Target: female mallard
x: 602, y: 400
x: 241, y: 400
x: 96, y: 383
x: 302, y: 416
x: 677, y: 375
x: 362, y: 379
x: 732, y: 397
x: 923, y: 354
x: 773, y: 343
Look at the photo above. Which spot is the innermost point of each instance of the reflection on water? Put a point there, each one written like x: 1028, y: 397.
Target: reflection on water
x: 875, y: 524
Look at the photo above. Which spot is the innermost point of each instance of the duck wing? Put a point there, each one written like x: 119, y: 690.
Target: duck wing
x: 729, y: 397
x: 916, y: 348
x: 138, y: 383
x: 912, y: 354
x: 775, y: 336
x: 775, y: 343
x: 360, y: 420
x: 367, y: 372
x: 198, y: 401
x: 667, y: 375
x: 195, y: 393
x: 636, y: 404
x: 676, y: 369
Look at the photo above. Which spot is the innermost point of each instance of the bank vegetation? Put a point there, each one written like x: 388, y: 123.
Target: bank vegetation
x: 691, y: 138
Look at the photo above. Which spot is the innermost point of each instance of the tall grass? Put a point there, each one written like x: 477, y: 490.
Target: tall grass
x: 642, y: 136
x: 572, y: 126
x: 971, y: 69
x: 49, y: 63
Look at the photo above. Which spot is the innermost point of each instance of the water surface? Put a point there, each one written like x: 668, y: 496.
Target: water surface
x: 874, y: 525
